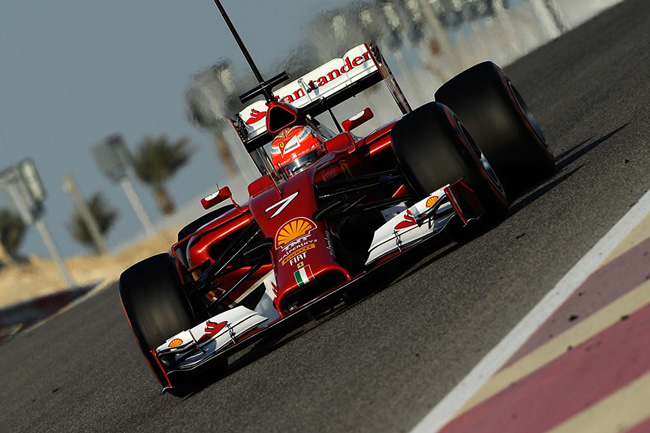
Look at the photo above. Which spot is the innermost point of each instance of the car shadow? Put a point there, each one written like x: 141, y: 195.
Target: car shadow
x: 579, y: 150
x: 305, y: 322
x: 563, y: 160
x: 439, y: 250
x: 540, y: 191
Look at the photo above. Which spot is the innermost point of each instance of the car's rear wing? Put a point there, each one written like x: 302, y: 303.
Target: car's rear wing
x: 322, y: 89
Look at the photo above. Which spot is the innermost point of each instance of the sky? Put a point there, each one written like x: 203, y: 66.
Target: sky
x: 75, y: 71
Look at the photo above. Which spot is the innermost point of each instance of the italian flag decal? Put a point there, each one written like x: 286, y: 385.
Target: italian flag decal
x: 303, y: 275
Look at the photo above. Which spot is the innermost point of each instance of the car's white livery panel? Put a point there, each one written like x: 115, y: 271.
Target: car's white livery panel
x: 326, y: 80
x: 209, y: 337
x: 426, y: 217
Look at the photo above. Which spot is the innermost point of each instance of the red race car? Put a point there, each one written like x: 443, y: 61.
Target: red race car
x: 330, y: 207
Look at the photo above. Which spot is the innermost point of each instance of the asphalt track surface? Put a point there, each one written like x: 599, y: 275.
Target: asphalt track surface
x: 382, y: 363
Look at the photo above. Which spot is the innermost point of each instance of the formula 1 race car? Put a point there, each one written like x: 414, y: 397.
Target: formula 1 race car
x: 330, y: 207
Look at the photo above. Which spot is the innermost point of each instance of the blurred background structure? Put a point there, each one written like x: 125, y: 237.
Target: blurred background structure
x: 117, y: 72
x: 426, y: 42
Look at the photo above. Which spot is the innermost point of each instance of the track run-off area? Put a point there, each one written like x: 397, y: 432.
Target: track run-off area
x: 384, y: 361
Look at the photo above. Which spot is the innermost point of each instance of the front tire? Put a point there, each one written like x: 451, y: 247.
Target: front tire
x: 434, y: 149
x: 502, y: 124
x: 155, y: 305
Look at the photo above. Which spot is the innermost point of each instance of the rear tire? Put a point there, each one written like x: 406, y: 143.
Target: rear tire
x: 504, y: 128
x: 434, y: 149
x: 155, y: 305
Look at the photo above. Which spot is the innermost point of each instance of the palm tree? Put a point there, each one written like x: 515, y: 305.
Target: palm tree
x: 104, y: 217
x: 12, y: 230
x: 155, y: 161
x: 210, y: 99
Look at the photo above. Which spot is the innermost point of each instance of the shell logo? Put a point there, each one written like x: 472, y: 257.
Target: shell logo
x: 175, y: 342
x: 293, y: 230
x: 431, y: 201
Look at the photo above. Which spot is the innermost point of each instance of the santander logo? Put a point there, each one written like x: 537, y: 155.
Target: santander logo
x: 256, y: 116
x: 409, y: 221
x: 347, y: 65
x: 211, y: 329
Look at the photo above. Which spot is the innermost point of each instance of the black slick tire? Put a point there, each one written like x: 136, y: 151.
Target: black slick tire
x: 501, y: 123
x: 156, y: 308
x: 434, y: 149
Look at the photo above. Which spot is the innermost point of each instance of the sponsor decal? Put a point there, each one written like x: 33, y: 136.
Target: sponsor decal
x: 280, y: 141
x: 346, y: 168
x: 304, y: 134
x: 281, y: 204
x: 409, y: 221
x: 297, y: 250
x: 348, y: 65
x: 293, y: 231
x: 431, y: 201
x: 297, y: 255
x: 256, y: 116
x: 211, y: 329
x: 328, y: 241
x: 303, y: 275
x: 275, y: 289
x: 291, y: 145
x: 294, y: 240
x: 175, y: 342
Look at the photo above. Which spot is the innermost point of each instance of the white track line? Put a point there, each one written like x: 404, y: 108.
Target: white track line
x: 443, y: 412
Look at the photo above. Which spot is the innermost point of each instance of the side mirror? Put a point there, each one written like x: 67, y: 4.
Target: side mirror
x: 358, y: 119
x: 216, y: 197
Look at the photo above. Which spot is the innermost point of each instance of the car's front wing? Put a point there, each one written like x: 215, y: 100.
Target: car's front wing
x: 233, y: 330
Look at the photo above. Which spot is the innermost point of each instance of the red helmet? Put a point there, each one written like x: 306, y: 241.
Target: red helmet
x: 295, y: 148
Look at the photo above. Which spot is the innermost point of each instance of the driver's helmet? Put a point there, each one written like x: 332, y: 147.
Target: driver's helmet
x: 296, y: 148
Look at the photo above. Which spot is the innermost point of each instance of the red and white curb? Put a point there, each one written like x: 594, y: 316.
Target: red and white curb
x: 16, y: 317
x: 542, y: 388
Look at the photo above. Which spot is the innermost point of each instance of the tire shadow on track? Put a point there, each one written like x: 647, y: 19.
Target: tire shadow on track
x: 535, y: 194
x: 439, y: 250
x: 581, y: 149
x: 563, y: 160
